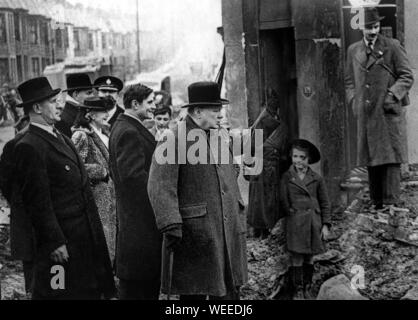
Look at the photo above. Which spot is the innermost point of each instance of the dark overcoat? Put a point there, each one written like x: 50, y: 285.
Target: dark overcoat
x: 21, y: 232
x: 68, y: 117
x: 264, y: 189
x: 56, y: 195
x: 381, y: 127
x: 95, y: 155
x: 204, y: 198
x: 138, y: 244
x: 307, y: 210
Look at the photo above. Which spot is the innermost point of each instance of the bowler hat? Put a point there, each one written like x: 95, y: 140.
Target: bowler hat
x: 205, y: 94
x: 109, y: 83
x: 371, y: 16
x: 35, y: 90
x: 79, y: 81
x: 98, y: 104
x: 314, y: 154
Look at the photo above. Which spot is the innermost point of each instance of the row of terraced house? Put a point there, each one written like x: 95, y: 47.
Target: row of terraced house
x: 38, y: 33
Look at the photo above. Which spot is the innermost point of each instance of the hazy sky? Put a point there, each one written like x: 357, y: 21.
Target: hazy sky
x: 194, y: 23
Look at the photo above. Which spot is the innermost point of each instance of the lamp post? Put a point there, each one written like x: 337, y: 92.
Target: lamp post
x: 138, y: 38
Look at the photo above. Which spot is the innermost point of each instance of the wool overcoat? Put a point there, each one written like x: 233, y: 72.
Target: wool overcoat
x: 204, y: 198
x: 57, y: 197
x: 307, y: 209
x: 381, y: 126
x: 138, y: 244
x: 95, y: 155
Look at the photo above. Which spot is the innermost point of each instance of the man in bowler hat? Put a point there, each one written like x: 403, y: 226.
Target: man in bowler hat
x: 377, y: 79
x: 202, y: 214
x: 109, y: 86
x: 56, y: 195
x: 79, y: 88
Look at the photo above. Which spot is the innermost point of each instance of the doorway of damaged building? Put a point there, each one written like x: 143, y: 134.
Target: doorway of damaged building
x: 298, y: 48
x: 277, y: 61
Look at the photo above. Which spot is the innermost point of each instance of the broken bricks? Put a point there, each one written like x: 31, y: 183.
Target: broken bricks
x: 406, y: 236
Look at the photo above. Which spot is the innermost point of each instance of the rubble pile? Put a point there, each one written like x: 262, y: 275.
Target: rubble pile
x: 383, y: 245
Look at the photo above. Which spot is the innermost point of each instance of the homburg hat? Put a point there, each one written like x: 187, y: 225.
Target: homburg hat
x: 78, y: 82
x: 205, y: 94
x: 35, y: 90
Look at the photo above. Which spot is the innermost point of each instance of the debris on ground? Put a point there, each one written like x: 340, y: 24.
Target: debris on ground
x: 339, y: 288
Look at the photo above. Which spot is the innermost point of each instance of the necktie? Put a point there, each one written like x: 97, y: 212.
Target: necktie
x: 59, y: 136
x: 369, y: 48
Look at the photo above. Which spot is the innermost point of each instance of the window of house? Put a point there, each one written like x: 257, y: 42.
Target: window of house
x: 13, y: 70
x: 45, y: 33
x: 77, y: 44
x: 4, y: 70
x: 18, y: 30
x: 91, y: 42
x: 66, y: 38
x: 3, y: 28
x: 104, y: 43
x: 26, y: 65
x: 19, y: 69
x: 33, y: 32
x: 36, y: 68
x: 58, y: 38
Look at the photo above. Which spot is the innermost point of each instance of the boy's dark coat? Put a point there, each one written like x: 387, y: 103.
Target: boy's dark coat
x: 307, y: 209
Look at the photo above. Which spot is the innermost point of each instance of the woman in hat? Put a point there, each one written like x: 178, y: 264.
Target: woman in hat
x: 93, y: 144
x: 307, y: 212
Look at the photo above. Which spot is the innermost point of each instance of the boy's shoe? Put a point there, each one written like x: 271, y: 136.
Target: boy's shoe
x: 298, y: 294
x: 308, y: 270
x: 298, y: 283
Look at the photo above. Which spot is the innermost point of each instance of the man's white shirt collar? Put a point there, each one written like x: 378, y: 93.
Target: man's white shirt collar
x: 44, y: 127
x: 372, y: 41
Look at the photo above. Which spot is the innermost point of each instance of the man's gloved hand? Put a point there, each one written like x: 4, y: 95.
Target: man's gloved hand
x: 173, y: 237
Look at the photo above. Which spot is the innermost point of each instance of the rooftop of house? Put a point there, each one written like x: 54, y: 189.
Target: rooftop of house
x: 78, y: 15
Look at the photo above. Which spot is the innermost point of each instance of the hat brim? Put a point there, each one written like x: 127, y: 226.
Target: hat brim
x: 207, y: 104
x: 314, y: 154
x: 79, y: 88
x: 372, y: 22
x: 29, y: 102
x: 97, y: 109
x: 109, y: 88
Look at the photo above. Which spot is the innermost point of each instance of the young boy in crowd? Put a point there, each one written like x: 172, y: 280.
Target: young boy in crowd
x: 162, y: 118
x: 307, y: 212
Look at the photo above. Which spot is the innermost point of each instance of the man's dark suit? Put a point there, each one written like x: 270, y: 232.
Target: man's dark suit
x: 68, y: 118
x: 138, y: 244
x: 56, y: 195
